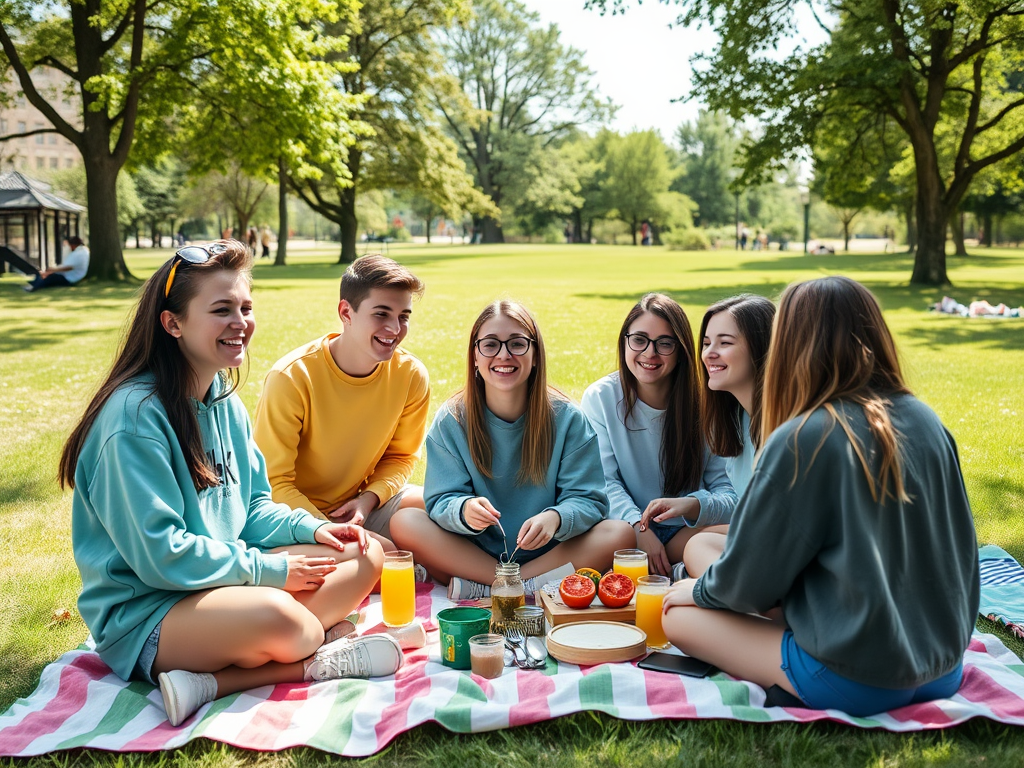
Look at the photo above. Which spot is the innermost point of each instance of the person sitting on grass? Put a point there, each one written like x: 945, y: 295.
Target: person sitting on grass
x: 73, y: 268
x: 512, y: 467
x: 647, y: 417
x: 856, y: 524
x: 341, y: 419
x: 191, y: 574
x: 734, y: 334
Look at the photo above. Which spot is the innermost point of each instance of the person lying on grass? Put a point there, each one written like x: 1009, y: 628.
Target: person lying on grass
x: 660, y: 476
x: 856, y: 524
x: 512, y: 466
x: 173, y: 528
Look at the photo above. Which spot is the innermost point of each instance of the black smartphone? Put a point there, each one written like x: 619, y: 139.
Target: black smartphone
x: 681, y: 665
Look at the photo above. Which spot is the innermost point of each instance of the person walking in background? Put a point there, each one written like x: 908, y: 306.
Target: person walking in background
x: 265, y: 238
x: 645, y: 233
x: 74, y: 267
x: 251, y: 239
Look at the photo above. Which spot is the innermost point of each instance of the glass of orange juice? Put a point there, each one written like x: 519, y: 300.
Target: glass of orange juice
x: 398, y: 589
x: 650, y: 591
x: 632, y: 562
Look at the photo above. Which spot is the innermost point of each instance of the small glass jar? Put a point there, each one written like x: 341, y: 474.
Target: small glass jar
x: 530, y: 620
x: 507, y: 594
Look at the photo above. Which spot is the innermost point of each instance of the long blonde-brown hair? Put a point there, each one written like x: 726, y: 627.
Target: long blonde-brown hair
x: 148, y: 349
x: 468, y: 404
x: 829, y: 343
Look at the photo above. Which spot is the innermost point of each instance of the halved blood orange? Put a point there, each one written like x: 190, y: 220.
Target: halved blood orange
x: 577, y: 591
x: 590, y: 573
x: 615, y: 590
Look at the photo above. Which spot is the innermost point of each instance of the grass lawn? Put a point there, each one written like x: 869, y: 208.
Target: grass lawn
x: 54, y: 346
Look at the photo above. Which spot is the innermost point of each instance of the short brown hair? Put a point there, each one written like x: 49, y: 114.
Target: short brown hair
x: 376, y: 271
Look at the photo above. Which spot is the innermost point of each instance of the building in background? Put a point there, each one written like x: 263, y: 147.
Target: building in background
x: 38, y: 155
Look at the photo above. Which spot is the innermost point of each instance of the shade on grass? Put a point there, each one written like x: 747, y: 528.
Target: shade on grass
x: 54, y: 346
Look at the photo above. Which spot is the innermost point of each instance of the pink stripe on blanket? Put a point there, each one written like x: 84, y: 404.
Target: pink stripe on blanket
x: 72, y: 692
x: 157, y: 738
x: 978, y: 687
x: 411, y: 682
x: 269, y: 722
x: 534, y: 690
x: 666, y: 695
x: 928, y: 714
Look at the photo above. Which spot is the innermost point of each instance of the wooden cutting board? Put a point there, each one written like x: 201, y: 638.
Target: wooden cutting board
x: 557, y: 612
x: 596, y: 642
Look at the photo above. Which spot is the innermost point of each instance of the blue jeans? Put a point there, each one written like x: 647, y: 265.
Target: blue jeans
x: 820, y: 688
x: 56, y: 280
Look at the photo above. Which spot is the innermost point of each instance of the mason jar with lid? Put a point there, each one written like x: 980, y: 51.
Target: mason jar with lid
x: 507, y: 594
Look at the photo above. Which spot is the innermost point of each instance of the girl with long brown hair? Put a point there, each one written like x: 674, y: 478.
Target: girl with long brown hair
x: 660, y: 476
x: 173, y: 526
x: 855, y: 525
x: 512, y: 467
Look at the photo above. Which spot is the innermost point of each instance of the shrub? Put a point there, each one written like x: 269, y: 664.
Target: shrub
x: 693, y: 239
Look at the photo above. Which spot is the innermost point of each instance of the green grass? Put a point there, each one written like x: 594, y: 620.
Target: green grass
x: 54, y: 346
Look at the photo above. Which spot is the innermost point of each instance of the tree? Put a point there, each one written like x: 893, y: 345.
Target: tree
x: 134, y: 65
x: 390, y: 66
x: 943, y: 71
x: 526, y: 92
x: 708, y: 146
x: 638, y: 179
x: 158, y: 187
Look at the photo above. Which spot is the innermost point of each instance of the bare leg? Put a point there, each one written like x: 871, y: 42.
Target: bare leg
x: 746, y: 647
x: 593, y: 549
x: 255, y: 636
x: 701, y: 551
x: 444, y: 554
x: 680, y: 543
x: 413, y: 497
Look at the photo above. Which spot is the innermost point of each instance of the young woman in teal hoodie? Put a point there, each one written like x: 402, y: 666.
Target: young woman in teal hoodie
x: 191, y: 575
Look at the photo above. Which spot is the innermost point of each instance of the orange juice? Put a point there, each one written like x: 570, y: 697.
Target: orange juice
x: 648, y: 615
x: 630, y: 562
x: 398, y: 590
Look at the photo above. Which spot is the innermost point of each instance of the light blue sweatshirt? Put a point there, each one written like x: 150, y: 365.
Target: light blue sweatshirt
x: 573, y: 486
x: 741, y: 468
x: 143, y: 538
x: 631, y: 456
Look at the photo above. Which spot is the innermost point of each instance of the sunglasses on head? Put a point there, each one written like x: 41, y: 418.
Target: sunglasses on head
x: 193, y: 254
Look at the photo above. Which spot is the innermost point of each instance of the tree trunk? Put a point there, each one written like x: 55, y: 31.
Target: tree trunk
x: 956, y: 226
x: 106, y: 260
x: 577, y: 226
x: 846, y: 237
x: 590, y: 230
x: 349, y: 224
x: 492, y: 232
x: 430, y: 224
x: 632, y: 231
x: 908, y: 215
x: 282, y: 214
x: 932, y: 218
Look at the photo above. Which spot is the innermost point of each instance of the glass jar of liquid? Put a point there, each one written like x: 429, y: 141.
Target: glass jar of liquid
x: 507, y: 594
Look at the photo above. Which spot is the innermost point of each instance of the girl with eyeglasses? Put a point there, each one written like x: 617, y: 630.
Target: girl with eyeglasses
x: 513, y: 470
x: 660, y: 476
x: 734, y: 334
x: 192, y: 577
x: 856, y: 523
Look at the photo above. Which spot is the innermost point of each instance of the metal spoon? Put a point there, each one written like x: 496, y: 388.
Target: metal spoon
x: 537, y: 650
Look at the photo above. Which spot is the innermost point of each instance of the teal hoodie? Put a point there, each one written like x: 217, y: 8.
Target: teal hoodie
x: 144, y: 538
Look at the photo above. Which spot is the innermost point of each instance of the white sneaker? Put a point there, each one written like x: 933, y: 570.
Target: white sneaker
x: 678, y: 572
x: 367, y: 656
x: 185, y: 692
x: 420, y: 574
x: 464, y: 589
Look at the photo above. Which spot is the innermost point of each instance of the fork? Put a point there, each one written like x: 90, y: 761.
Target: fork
x: 517, y: 640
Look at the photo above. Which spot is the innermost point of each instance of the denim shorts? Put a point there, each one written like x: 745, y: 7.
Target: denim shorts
x: 665, y: 533
x: 144, y: 665
x: 820, y: 688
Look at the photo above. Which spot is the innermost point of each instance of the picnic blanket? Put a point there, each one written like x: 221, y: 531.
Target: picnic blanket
x: 80, y: 703
x: 1002, y: 588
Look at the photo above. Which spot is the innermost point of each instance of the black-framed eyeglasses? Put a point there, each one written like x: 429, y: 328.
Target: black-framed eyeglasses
x: 663, y: 345
x: 193, y: 254
x: 516, y: 346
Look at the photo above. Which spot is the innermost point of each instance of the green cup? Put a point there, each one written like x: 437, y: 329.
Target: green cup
x: 457, y: 625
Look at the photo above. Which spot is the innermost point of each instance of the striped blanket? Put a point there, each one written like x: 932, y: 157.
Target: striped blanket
x: 1002, y: 588
x: 81, y: 703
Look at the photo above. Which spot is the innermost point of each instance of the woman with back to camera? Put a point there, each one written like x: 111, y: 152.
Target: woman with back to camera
x: 856, y: 524
x: 660, y: 477
x: 735, y: 334
x: 173, y: 527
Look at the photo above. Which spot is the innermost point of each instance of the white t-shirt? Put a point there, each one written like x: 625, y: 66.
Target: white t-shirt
x: 78, y: 260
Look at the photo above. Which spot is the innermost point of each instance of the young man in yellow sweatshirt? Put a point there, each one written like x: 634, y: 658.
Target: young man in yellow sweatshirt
x: 341, y: 420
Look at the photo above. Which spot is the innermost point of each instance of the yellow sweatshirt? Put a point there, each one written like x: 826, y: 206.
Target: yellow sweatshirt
x: 328, y: 436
